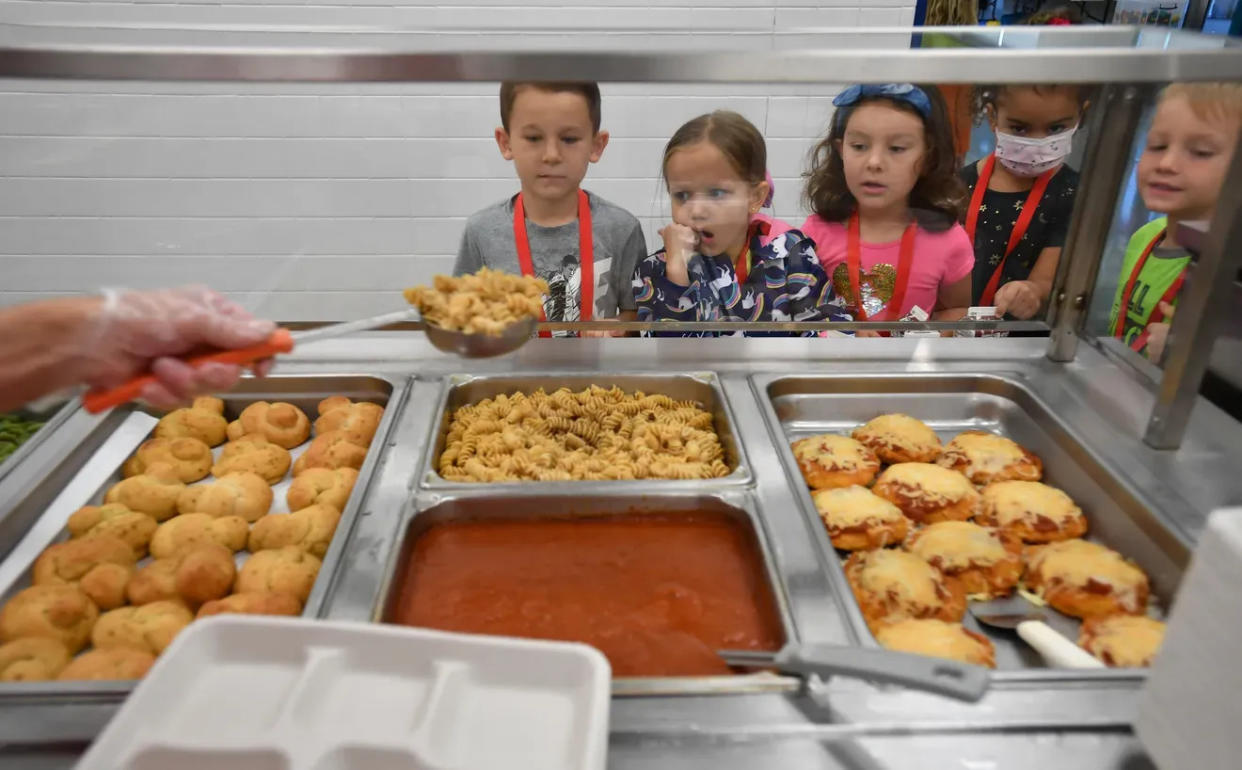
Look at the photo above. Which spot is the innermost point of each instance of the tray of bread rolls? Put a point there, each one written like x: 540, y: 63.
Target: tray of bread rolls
x: 929, y: 493
x: 233, y: 504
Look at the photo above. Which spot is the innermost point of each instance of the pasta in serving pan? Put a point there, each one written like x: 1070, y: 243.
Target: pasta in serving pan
x: 594, y: 434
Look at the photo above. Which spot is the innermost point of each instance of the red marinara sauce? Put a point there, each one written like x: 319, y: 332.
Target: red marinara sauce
x: 658, y: 593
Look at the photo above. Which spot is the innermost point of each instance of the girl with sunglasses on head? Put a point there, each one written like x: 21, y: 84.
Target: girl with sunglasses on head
x: 886, y: 200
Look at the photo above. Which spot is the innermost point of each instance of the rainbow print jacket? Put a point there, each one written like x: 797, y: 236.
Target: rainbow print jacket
x: 786, y: 283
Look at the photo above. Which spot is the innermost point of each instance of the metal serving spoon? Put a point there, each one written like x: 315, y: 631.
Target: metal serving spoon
x: 283, y: 341
x: 963, y: 681
x: 1018, y: 614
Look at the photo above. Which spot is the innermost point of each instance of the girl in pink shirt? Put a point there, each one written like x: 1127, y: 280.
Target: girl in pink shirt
x: 887, y: 199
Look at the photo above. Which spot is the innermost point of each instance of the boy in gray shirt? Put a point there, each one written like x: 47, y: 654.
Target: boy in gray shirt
x: 551, y: 133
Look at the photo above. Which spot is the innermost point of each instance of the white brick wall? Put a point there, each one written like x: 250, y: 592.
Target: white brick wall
x: 315, y: 202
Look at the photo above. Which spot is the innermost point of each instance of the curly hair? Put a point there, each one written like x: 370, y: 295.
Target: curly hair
x: 986, y: 95
x: 938, y: 199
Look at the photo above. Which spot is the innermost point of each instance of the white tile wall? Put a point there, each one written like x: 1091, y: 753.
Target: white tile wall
x: 311, y: 202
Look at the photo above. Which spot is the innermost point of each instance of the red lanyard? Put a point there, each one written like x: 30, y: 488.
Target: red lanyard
x: 586, y: 253
x: 1126, y: 294
x: 1019, y: 229
x: 742, y: 267
x: 905, y: 262
x: 1157, y: 315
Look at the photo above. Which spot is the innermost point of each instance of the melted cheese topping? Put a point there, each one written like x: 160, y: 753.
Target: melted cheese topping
x: 986, y: 452
x: 1077, y: 562
x: 1128, y: 640
x: 934, y: 637
x: 1017, y: 501
x: 928, y: 481
x: 851, y: 506
x: 833, y: 452
x: 959, y: 544
x: 907, y: 577
x: 899, y: 430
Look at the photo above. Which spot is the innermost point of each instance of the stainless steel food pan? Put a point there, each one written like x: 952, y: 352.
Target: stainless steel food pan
x: 798, y: 406
x: 51, y: 416
x: 304, y: 391
x: 704, y: 387
x: 737, y: 505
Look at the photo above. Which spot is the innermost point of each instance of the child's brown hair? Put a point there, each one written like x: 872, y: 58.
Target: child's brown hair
x: 510, y: 89
x: 984, y: 98
x: 735, y: 136
x: 938, y: 198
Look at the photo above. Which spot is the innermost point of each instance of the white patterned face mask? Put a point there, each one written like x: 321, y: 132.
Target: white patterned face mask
x: 1032, y: 157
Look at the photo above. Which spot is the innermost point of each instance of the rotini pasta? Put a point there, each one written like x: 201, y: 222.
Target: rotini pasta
x: 594, y: 434
x: 485, y: 302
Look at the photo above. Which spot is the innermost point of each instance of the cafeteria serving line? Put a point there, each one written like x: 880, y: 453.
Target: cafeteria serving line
x: 820, y: 549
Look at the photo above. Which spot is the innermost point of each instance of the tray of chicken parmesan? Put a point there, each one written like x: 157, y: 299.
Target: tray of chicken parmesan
x: 235, y: 504
x: 932, y: 497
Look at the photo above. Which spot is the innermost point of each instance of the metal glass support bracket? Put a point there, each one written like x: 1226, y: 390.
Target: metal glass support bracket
x: 1113, y: 122
x: 1200, y: 310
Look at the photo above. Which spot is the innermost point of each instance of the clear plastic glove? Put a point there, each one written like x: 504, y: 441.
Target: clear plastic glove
x: 132, y: 332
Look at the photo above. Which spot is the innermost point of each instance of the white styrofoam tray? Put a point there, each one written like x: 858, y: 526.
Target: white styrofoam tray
x: 243, y: 692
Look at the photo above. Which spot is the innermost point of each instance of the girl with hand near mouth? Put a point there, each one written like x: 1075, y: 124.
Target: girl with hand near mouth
x: 1022, y: 195
x: 1180, y: 173
x: 722, y: 259
x: 886, y: 200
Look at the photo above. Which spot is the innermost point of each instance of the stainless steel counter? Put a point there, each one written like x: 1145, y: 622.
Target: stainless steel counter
x: 1056, y: 722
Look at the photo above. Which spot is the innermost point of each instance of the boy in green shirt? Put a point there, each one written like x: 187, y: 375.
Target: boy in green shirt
x: 1180, y: 173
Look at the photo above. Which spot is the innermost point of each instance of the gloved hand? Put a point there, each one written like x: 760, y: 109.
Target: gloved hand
x: 133, y: 331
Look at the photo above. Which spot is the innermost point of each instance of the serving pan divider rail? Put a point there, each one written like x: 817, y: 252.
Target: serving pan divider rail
x: 734, y: 496
x: 436, y: 499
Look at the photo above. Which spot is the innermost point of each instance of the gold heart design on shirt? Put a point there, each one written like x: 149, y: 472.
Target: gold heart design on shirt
x: 879, y: 283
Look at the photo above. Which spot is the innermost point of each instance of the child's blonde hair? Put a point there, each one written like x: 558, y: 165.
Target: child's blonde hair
x: 1211, y: 101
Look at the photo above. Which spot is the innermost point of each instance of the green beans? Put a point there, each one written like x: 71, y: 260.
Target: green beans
x: 14, y: 431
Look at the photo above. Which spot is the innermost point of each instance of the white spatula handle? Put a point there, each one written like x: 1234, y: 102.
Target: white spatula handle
x: 1058, y: 651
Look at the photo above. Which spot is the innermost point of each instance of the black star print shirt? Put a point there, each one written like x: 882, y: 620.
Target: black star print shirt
x: 997, y: 216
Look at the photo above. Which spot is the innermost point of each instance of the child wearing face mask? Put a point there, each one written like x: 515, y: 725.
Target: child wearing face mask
x: 1022, y: 195
x: 1180, y: 173
x: 723, y: 259
x: 886, y: 200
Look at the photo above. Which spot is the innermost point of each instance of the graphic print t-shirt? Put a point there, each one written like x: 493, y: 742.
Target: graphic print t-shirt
x: 998, y: 215
x: 940, y: 259
x: 617, y: 239
x: 1162, y: 269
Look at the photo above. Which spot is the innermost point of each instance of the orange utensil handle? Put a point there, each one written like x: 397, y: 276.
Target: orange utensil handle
x: 98, y: 401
